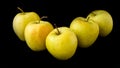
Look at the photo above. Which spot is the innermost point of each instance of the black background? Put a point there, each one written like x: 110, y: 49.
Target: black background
x: 105, y: 51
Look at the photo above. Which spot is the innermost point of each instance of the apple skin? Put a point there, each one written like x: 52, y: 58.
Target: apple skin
x: 61, y: 46
x: 36, y: 33
x: 21, y: 20
x: 86, y: 31
x: 104, y: 20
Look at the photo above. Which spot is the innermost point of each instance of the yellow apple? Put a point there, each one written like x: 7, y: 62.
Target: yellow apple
x: 35, y: 34
x: 86, y: 31
x: 21, y: 20
x: 61, y: 43
x: 104, y: 20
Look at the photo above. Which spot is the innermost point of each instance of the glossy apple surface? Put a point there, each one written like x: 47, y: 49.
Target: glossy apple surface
x: 86, y: 31
x: 21, y: 20
x: 36, y: 33
x: 63, y: 44
x: 104, y: 20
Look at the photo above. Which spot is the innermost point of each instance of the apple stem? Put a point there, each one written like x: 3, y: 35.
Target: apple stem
x: 44, y: 17
x: 93, y: 13
x: 20, y: 9
x: 88, y: 18
x: 57, y: 29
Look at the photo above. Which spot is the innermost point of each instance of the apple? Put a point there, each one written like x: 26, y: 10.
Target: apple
x: 104, y: 20
x: 36, y: 33
x: 21, y: 20
x: 61, y: 43
x: 86, y: 31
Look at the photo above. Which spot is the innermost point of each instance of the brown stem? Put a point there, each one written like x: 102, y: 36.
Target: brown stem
x: 87, y: 19
x: 20, y: 9
x: 93, y: 13
x: 44, y: 17
x: 58, y: 32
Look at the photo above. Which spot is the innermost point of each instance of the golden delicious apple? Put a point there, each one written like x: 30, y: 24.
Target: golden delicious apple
x: 104, y: 20
x: 21, y: 20
x: 35, y: 34
x: 61, y: 43
x: 86, y: 31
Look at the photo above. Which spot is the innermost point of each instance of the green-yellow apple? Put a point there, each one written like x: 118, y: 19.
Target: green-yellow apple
x: 61, y: 43
x: 86, y: 31
x: 21, y: 20
x: 36, y: 33
x: 104, y: 20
